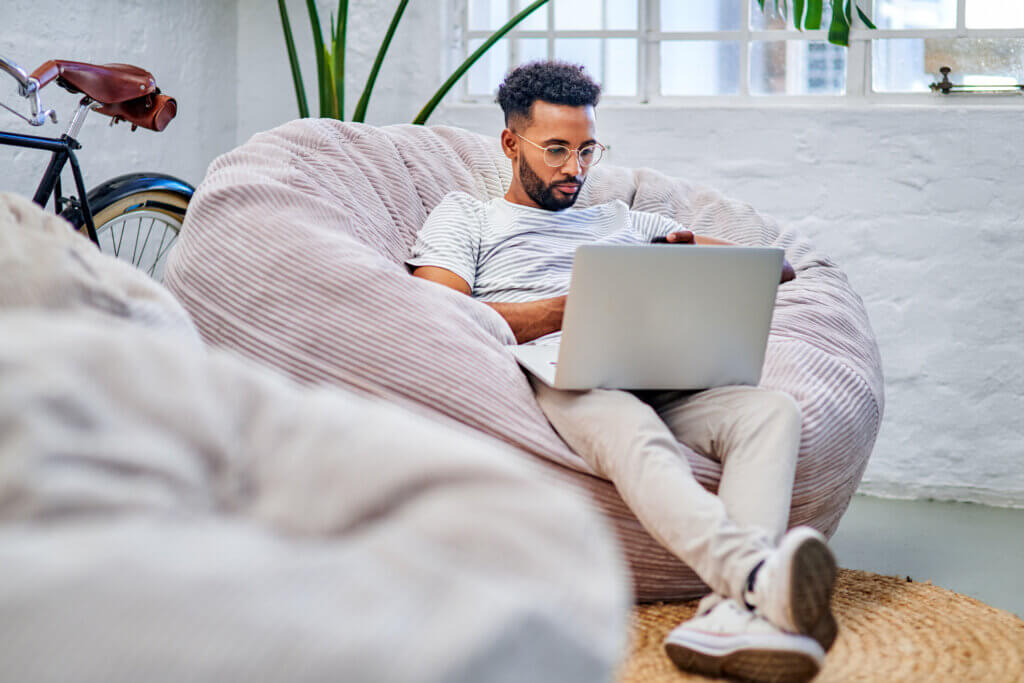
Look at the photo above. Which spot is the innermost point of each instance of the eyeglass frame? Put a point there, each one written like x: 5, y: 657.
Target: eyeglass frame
x: 575, y: 150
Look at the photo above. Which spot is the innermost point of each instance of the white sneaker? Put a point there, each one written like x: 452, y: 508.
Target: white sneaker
x: 727, y: 639
x: 793, y: 588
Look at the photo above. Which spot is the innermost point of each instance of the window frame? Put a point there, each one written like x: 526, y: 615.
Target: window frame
x: 649, y: 38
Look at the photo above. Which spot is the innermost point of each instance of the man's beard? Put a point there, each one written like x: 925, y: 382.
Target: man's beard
x: 544, y: 195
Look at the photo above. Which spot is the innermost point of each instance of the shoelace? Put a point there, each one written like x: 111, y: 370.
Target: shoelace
x: 715, y: 602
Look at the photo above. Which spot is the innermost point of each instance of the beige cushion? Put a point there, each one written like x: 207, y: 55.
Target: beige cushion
x: 169, y: 513
x: 173, y: 513
x: 292, y: 253
x: 45, y: 265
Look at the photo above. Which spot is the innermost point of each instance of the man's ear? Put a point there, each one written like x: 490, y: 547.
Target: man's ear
x: 509, y: 142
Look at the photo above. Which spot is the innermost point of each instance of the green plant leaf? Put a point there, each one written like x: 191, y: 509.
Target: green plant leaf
x: 339, y: 58
x: 761, y: 3
x: 839, y: 31
x: 364, y: 100
x: 848, y: 11
x: 331, y: 94
x: 798, y: 14
x: 293, y: 61
x: 321, y: 65
x: 813, y: 20
x: 330, y: 49
x: 865, y: 18
x: 431, y: 105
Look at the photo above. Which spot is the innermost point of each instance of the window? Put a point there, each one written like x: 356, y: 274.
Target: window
x: 653, y: 50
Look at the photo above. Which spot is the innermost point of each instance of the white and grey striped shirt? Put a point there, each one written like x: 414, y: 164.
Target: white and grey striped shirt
x: 512, y: 253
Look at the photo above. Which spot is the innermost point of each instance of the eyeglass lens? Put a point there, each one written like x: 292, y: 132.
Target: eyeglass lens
x: 557, y: 155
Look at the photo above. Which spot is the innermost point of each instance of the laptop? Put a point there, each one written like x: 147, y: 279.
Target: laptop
x: 661, y: 317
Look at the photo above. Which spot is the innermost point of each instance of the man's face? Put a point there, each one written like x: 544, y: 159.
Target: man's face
x: 549, y: 124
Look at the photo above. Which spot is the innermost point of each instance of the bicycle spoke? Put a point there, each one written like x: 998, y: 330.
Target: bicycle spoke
x: 135, y: 244
x: 142, y: 252
x: 173, y: 240
x: 163, y: 236
x: 117, y: 249
x: 100, y: 234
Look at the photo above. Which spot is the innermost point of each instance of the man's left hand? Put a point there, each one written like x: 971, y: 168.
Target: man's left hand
x: 681, y: 237
x: 787, y: 272
x: 687, y: 237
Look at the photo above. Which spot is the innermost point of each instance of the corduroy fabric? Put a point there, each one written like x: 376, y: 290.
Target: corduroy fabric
x: 292, y: 252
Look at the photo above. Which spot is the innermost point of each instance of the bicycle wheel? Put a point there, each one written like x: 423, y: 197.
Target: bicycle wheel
x: 138, y: 218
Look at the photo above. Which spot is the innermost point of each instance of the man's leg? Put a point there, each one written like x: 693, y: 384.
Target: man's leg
x: 624, y: 439
x: 755, y: 434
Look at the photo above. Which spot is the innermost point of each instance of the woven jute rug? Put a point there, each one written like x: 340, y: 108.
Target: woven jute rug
x: 890, y: 629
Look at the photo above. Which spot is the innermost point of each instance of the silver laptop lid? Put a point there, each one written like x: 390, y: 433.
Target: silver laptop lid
x: 667, y: 316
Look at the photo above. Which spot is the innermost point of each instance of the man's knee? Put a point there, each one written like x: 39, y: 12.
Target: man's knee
x: 778, y: 406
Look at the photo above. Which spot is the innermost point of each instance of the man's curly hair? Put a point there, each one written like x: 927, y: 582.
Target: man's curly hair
x: 551, y: 81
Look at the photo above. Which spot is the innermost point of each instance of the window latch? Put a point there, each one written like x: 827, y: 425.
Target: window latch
x: 946, y: 86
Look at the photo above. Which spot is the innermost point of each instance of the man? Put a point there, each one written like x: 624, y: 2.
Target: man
x: 768, y: 616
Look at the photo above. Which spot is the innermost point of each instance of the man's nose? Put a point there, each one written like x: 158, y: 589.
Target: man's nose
x: 572, y: 165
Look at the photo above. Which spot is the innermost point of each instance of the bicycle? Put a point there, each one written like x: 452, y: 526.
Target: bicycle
x: 116, y: 213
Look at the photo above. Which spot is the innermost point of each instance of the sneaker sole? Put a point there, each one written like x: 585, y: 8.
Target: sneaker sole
x: 811, y: 582
x: 764, y: 666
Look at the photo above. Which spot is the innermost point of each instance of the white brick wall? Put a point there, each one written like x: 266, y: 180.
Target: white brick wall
x: 920, y: 205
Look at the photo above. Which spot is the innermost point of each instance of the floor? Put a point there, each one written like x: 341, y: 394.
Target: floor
x: 972, y: 549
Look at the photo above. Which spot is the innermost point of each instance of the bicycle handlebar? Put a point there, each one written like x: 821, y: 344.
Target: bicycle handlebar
x: 28, y: 87
x: 17, y: 73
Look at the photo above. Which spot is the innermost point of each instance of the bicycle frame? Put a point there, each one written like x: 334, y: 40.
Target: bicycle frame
x: 63, y: 149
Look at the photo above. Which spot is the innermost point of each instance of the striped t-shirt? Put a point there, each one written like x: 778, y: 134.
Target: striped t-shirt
x: 513, y: 253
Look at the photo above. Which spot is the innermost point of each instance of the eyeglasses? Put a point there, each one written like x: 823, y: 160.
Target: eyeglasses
x: 557, y: 155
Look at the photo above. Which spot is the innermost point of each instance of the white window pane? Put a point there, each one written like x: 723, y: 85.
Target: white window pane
x: 995, y: 14
x: 620, y: 73
x: 531, y: 50
x: 578, y: 15
x: 485, y: 76
x: 622, y: 14
x: 898, y: 66
x: 706, y: 15
x: 585, y: 51
x: 910, y: 65
x: 700, y: 67
x: 538, y: 21
x: 770, y: 20
x: 797, y: 67
x: 896, y: 14
x: 487, y: 14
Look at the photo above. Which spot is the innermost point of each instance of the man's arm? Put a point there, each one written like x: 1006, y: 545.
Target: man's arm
x: 532, y: 319
x: 529, y: 320
x: 443, y: 276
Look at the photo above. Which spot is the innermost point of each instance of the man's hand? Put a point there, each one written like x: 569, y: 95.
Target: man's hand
x: 678, y: 237
x: 787, y: 271
x: 681, y: 237
x: 687, y: 237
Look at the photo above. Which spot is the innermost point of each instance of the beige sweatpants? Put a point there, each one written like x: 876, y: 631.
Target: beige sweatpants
x: 633, y: 440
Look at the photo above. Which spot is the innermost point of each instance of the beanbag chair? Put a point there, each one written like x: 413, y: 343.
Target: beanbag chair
x: 174, y: 513
x: 292, y: 254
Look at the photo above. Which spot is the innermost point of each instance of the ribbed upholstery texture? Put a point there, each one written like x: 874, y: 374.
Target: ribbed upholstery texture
x: 292, y: 252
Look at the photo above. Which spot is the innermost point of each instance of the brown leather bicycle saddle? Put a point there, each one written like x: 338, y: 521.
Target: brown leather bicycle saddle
x: 107, y: 83
x: 126, y: 92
